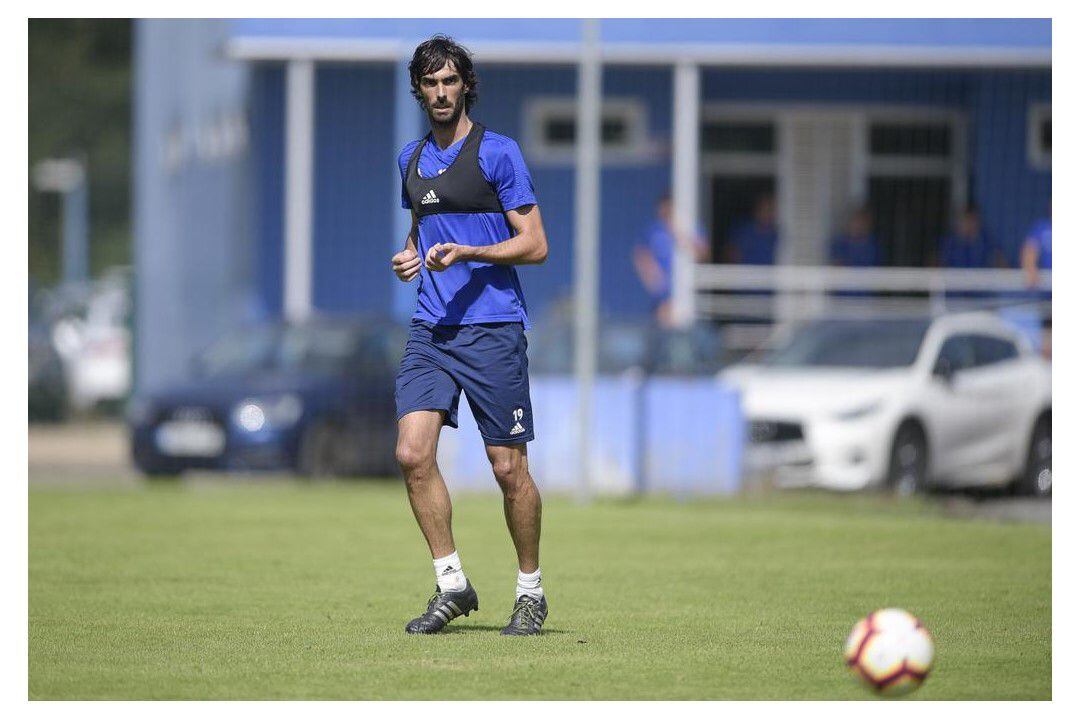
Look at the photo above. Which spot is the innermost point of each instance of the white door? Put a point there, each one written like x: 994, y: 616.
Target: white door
x: 1002, y: 381
x: 969, y: 415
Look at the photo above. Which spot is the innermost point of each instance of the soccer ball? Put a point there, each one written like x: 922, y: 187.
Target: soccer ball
x: 890, y: 650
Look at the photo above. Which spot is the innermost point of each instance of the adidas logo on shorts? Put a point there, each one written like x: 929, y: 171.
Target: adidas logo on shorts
x: 430, y: 198
x: 517, y: 429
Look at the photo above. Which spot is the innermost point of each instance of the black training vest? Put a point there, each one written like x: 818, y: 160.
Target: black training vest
x: 461, y: 188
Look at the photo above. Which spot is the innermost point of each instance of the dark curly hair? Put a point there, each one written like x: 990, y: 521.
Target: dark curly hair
x: 431, y: 55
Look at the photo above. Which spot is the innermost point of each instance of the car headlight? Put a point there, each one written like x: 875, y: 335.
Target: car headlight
x: 860, y: 411
x: 254, y: 414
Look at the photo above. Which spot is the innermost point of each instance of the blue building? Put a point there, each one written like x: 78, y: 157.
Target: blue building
x: 265, y: 155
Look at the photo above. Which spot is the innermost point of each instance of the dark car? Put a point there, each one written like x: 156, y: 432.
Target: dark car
x: 316, y: 398
x: 47, y: 388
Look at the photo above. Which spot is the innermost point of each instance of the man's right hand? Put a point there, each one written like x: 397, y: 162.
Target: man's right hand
x: 406, y: 264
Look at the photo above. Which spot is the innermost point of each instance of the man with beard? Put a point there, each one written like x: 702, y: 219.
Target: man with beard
x: 474, y: 218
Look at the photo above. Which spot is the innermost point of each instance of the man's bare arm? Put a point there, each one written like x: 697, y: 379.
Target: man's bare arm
x: 1029, y: 261
x: 647, y: 268
x: 528, y: 246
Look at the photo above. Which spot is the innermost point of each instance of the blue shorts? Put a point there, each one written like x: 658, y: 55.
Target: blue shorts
x: 487, y: 360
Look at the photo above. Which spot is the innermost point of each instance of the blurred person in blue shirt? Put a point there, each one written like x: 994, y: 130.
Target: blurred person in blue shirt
x: 654, y: 258
x: 1035, y: 254
x: 968, y: 246
x: 856, y: 246
x: 754, y: 241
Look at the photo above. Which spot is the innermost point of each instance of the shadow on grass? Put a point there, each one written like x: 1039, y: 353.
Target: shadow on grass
x: 452, y: 630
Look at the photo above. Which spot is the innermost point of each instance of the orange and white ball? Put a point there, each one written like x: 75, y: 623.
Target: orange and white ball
x: 891, y: 651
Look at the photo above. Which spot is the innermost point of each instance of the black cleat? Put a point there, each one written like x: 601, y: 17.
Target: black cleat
x: 528, y: 616
x: 442, y: 608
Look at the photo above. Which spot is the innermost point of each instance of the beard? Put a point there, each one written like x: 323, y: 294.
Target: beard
x: 451, y: 120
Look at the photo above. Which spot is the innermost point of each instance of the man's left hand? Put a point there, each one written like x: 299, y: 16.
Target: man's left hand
x: 443, y: 255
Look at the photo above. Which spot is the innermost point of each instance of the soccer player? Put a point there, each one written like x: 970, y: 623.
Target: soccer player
x: 475, y: 217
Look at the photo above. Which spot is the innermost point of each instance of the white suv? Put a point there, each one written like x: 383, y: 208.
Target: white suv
x: 959, y: 401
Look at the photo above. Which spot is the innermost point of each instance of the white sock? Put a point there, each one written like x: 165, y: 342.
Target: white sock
x: 529, y: 584
x: 448, y: 573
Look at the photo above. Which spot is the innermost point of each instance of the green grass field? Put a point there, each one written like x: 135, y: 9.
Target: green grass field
x: 286, y: 591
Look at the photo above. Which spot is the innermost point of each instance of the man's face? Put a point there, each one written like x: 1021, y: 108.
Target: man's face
x: 663, y: 210
x: 765, y: 212
x: 443, y: 92
x: 969, y: 225
x: 859, y: 225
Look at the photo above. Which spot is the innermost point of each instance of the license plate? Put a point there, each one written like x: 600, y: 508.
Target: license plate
x: 185, y: 438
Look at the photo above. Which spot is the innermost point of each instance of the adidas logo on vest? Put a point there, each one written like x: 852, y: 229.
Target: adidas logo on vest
x: 430, y: 198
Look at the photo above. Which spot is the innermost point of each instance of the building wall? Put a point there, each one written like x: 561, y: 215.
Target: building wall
x: 353, y: 196
x: 193, y: 244
x: 1010, y: 191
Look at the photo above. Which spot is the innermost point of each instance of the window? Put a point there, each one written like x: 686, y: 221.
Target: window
x: 990, y: 350
x: 551, y: 127
x: 959, y: 350
x: 735, y: 136
x: 559, y: 132
x: 915, y: 178
x: 1039, y: 127
x: 909, y: 215
x: 739, y: 159
x: 909, y: 139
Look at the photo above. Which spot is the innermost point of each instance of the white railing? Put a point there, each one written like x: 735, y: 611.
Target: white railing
x: 751, y: 300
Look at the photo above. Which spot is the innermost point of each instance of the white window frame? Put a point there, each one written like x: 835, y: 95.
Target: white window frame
x: 538, y: 111
x: 1038, y: 159
x: 953, y: 167
x: 720, y: 163
x: 727, y: 162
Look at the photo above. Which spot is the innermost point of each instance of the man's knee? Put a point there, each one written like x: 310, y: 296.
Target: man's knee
x: 414, y: 458
x: 510, y: 472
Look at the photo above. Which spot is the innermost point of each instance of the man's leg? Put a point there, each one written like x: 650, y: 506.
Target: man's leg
x: 418, y: 438
x: 521, y: 501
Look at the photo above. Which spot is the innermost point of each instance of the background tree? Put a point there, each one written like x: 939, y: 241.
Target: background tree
x: 80, y: 106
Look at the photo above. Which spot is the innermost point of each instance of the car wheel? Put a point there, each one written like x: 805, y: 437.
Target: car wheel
x: 1037, y: 478
x: 907, y: 462
x: 320, y: 452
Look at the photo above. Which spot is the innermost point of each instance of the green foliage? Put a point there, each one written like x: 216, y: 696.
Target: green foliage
x: 289, y: 591
x: 80, y: 106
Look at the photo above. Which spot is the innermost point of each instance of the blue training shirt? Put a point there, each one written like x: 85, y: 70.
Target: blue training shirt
x: 453, y: 296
